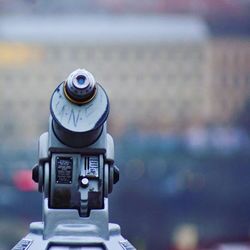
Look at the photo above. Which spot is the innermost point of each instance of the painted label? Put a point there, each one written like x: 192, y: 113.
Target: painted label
x: 126, y: 245
x: 93, y: 167
x: 24, y: 244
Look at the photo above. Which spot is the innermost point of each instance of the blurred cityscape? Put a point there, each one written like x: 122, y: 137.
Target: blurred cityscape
x: 178, y: 77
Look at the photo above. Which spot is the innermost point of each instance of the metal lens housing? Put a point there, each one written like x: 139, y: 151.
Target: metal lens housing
x: 80, y: 86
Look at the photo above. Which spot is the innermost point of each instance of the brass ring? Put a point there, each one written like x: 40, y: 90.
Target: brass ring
x: 74, y: 101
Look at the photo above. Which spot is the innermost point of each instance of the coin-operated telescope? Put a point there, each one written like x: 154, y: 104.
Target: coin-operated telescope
x: 76, y: 172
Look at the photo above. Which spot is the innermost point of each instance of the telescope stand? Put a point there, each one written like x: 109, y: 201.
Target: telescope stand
x: 64, y: 230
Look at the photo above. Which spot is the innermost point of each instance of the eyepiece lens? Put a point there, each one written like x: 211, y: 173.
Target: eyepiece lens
x: 81, y: 79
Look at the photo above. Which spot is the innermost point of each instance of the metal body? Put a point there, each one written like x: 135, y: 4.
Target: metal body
x: 76, y: 172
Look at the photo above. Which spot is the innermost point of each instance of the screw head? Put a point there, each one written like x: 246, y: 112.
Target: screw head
x: 85, y: 182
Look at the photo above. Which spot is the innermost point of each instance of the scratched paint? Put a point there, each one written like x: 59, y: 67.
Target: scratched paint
x: 79, y: 118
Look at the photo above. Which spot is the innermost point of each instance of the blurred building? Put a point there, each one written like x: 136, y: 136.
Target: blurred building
x: 161, y: 73
x: 228, y: 77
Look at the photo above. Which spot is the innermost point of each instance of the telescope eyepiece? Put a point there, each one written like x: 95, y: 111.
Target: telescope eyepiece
x: 81, y: 82
x: 80, y: 86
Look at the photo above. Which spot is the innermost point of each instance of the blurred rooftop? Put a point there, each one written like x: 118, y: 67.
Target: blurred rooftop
x: 102, y: 29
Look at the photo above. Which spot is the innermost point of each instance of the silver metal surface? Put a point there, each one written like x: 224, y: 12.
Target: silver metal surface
x: 80, y: 84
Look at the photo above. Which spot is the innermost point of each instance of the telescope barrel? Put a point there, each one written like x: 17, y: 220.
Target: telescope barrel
x: 79, y: 107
